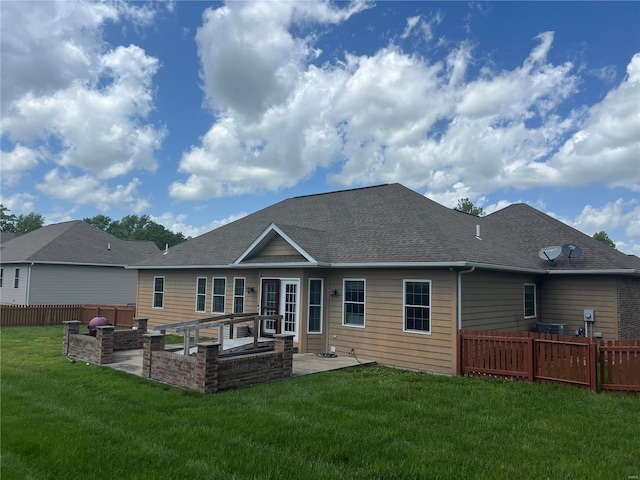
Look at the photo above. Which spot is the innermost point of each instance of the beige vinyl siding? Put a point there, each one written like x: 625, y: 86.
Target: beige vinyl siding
x: 383, y: 338
x: 564, y: 299
x: 180, y: 294
x: 495, y: 301
x: 278, y: 246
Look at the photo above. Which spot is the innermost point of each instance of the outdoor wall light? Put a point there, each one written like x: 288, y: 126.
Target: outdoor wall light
x: 250, y: 290
x: 333, y: 292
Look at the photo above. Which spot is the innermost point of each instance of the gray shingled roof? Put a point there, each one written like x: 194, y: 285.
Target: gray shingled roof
x: 74, y: 242
x: 391, y: 224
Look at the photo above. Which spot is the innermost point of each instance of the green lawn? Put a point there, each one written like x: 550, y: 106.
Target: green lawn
x: 63, y: 420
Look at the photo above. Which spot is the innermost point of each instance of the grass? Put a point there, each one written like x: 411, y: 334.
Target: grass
x: 63, y: 420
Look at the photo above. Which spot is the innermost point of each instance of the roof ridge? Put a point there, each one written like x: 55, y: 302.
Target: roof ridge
x: 340, y: 191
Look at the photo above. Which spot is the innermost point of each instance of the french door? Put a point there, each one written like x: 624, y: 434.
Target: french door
x: 280, y: 297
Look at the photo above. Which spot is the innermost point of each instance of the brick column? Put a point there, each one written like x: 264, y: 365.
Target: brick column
x: 284, y: 344
x: 71, y: 327
x: 140, y: 325
x: 207, y: 367
x: 105, y: 344
x: 152, y: 342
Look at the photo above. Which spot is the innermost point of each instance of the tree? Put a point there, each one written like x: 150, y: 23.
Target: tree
x: 465, y: 205
x: 28, y: 223
x: 133, y: 227
x: 604, y: 238
x: 101, y: 222
x: 7, y: 221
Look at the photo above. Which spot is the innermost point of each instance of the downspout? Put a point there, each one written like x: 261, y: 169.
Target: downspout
x: 460, y: 272
x: 28, y: 284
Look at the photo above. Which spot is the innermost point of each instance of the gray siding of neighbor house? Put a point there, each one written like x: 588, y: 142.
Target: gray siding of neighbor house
x: 495, y: 301
x: 82, y: 284
x: 629, y: 308
x: 565, y: 298
x: 9, y: 294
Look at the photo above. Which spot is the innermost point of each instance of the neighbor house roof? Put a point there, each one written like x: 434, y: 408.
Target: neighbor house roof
x: 74, y: 242
x: 391, y: 225
x: 6, y: 236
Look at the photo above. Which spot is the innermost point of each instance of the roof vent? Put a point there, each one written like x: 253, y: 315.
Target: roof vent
x: 478, y: 232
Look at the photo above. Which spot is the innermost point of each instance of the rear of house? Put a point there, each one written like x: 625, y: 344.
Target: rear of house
x: 385, y: 274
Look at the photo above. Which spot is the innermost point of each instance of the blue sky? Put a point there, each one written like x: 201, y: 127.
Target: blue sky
x: 198, y: 113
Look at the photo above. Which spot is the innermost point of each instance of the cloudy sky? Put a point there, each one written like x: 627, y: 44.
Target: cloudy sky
x: 198, y: 113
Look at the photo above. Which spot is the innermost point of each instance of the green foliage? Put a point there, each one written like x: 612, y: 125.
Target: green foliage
x: 133, y: 227
x: 77, y: 421
x: 603, y: 237
x: 7, y: 220
x: 465, y: 205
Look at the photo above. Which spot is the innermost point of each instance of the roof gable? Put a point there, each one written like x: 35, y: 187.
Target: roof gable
x: 271, y: 234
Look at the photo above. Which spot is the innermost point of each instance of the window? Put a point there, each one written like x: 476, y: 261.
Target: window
x: 238, y: 295
x: 201, y: 294
x: 353, y: 303
x: 529, y: 300
x: 158, y: 292
x: 16, y: 279
x: 218, y: 299
x: 417, y: 306
x: 315, y: 306
x: 1, y: 276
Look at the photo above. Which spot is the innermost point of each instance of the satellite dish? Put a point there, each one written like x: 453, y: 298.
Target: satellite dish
x: 550, y: 253
x: 571, y: 251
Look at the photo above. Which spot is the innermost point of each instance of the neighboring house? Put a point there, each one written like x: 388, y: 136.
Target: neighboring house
x: 389, y: 275
x: 70, y: 263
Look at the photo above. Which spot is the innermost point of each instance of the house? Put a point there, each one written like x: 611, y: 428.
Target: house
x: 70, y: 263
x: 386, y: 274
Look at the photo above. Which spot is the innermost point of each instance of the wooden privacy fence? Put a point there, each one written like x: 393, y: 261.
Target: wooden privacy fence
x: 564, y: 359
x: 37, y: 315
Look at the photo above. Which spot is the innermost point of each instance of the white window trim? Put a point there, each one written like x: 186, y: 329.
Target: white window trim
x: 204, y: 309
x: 224, y: 295
x: 364, y: 303
x: 153, y: 297
x: 404, y: 305
x: 535, y: 300
x: 319, y: 332
x: 244, y: 286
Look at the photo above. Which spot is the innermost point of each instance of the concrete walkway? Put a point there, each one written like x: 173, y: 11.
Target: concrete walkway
x: 130, y: 361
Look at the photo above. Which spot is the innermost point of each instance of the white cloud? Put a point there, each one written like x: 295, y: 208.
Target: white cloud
x: 176, y: 223
x: 21, y: 203
x: 66, y: 95
x: 88, y: 190
x: 16, y: 162
x: 389, y: 117
x: 411, y: 23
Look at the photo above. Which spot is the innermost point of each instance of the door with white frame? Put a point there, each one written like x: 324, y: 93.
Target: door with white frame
x: 280, y: 297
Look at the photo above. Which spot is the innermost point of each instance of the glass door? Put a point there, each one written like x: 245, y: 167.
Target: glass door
x: 289, y: 307
x: 270, y: 305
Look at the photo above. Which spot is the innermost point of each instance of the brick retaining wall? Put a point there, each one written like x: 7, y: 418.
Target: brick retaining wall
x: 207, y: 373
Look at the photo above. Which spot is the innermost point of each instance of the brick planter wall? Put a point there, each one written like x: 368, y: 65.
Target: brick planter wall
x: 99, y: 349
x: 207, y: 373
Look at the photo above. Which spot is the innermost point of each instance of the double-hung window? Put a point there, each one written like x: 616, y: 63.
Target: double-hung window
x: 238, y: 295
x: 158, y: 292
x: 417, y: 306
x: 315, y: 306
x: 201, y: 294
x: 529, y: 300
x: 353, y: 303
x: 1, y: 276
x: 218, y: 298
x: 16, y: 279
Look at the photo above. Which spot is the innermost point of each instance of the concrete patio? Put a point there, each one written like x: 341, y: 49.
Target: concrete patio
x: 130, y: 361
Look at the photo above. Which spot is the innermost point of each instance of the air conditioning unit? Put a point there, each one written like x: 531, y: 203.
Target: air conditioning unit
x: 553, y: 328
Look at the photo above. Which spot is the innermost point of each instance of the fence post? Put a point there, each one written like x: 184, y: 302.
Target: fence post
x: 459, y: 355
x: 530, y: 358
x: 593, y: 369
x: 71, y: 327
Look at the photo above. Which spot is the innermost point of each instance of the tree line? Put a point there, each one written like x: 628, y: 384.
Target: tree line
x: 130, y: 227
